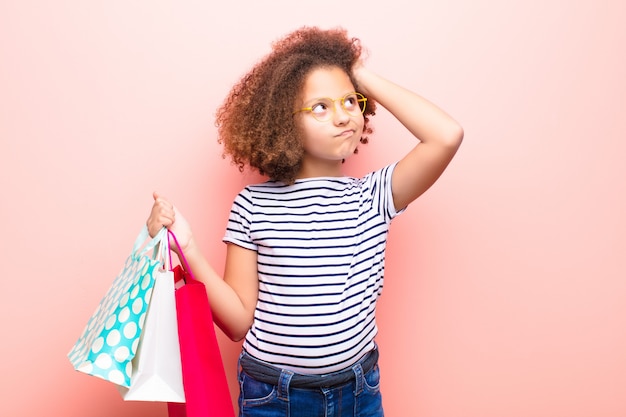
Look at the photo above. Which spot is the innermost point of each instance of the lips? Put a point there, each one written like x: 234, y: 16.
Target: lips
x: 346, y: 133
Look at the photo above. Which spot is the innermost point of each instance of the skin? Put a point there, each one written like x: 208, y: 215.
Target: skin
x: 327, y: 144
x: 233, y: 297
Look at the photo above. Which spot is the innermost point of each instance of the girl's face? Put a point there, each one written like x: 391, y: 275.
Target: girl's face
x: 329, y: 141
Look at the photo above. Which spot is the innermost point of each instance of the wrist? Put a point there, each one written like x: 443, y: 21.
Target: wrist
x: 191, y: 247
x: 187, y: 250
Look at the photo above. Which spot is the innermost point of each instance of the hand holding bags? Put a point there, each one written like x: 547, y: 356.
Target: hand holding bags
x: 204, y: 379
x: 109, y: 342
x: 133, y: 337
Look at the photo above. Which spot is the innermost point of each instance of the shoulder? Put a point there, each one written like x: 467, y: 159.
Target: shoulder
x: 383, y: 174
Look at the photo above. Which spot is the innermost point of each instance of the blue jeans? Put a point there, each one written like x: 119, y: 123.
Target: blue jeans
x: 358, y: 398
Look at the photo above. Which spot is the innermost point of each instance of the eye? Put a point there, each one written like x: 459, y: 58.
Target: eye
x: 350, y: 102
x: 319, y: 108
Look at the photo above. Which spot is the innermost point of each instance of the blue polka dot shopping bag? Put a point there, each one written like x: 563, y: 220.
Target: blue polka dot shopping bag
x: 108, y: 344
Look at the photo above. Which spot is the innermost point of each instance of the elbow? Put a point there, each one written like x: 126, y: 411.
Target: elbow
x: 460, y: 134
x: 237, y: 337
x: 454, y: 137
x: 236, y: 324
x: 235, y: 334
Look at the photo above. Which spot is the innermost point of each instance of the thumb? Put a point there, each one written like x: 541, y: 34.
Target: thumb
x: 155, y: 195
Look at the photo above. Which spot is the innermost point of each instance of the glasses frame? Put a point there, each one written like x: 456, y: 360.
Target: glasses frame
x: 360, y: 98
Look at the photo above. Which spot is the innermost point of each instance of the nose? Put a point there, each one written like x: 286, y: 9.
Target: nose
x: 340, y: 115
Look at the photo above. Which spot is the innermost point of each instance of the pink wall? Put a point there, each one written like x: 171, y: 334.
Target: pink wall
x: 506, y: 289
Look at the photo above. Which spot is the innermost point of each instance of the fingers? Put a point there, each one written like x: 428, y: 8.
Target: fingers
x: 163, y: 214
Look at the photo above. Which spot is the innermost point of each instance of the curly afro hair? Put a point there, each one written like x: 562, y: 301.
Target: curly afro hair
x: 256, y: 124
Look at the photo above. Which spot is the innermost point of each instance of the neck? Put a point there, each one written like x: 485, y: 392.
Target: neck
x: 320, y: 169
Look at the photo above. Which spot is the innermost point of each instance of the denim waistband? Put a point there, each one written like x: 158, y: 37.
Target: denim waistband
x: 269, y: 374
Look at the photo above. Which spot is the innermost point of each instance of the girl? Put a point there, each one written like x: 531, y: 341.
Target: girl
x: 306, y: 249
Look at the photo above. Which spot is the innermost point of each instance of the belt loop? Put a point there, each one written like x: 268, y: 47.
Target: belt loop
x: 241, y: 355
x: 283, y: 384
x: 358, y: 373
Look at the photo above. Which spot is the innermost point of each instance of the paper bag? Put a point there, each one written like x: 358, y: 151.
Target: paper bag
x: 204, y: 378
x: 157, y: 372
x: 109, y: 342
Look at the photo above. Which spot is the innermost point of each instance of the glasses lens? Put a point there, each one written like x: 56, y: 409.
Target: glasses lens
x: 353, y: 103
x: 322, y: 110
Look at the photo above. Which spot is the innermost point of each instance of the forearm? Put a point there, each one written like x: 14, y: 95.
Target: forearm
x: 229, y: 312
x: 423, y: 119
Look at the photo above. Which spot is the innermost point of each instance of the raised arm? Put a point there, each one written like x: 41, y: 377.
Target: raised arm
x: 233, y: 298
x: 439, y: 135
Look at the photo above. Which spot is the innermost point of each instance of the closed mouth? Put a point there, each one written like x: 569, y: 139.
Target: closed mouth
x: 348, y: 132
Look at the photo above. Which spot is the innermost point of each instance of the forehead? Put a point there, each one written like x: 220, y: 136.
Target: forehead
x: 326, y: 82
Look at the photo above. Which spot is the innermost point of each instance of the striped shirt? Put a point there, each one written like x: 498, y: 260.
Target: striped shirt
x: 321, y: 255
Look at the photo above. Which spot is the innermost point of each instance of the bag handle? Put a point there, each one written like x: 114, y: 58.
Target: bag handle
x: 182, y: 255
x: 164, y: 252
x: 143, y: 235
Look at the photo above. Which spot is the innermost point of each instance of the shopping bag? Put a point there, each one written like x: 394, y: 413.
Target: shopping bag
x: 108, y: 343
x: 204, y: 378
x: 157, y: 372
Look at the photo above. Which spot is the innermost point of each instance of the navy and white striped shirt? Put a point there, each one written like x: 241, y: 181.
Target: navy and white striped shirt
x: 321, y: 255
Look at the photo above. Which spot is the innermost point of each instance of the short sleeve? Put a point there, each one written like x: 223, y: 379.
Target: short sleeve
x: 380, y: 184
x: 239, y: 221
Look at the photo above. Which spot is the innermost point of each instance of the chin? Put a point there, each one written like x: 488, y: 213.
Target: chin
x: 346, y: 156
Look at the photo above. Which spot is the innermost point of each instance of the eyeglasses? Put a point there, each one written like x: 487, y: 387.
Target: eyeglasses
x: 324, y: 108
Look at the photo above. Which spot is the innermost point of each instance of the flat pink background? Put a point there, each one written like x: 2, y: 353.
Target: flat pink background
x: 506, y: 283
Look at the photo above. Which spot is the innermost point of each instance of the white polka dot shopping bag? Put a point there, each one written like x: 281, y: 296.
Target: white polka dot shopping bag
x: 109, y: 342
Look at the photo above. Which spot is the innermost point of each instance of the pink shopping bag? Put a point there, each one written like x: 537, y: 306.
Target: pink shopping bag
x: 204, y: 378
